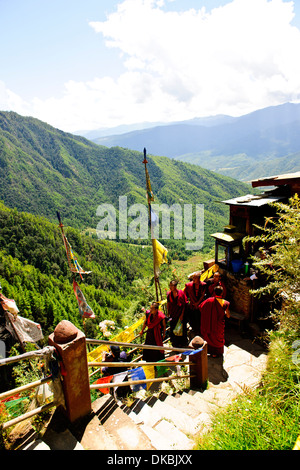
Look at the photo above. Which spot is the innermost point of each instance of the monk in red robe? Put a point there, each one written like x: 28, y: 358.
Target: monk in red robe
x: 195, y: 293
x: 214, y: 282
x: 156, y: 331
x: 176, y: 302
x: 213, y: 312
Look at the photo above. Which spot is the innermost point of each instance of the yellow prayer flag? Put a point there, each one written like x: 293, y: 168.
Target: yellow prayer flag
x: 159, y: 255
x: 209, y: 272
x: 149, y: 373
x: 125, y: 336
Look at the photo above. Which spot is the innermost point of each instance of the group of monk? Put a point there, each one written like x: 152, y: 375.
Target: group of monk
x: 200, y: 308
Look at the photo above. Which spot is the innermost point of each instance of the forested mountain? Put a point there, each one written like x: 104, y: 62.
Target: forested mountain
x: 44, y: 170
x: 260, y: 140
x: 34, y: 272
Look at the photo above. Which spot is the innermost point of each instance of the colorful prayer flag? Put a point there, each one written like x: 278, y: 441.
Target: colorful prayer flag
x: 104, y: 380
x: 9, y: 305
x: 119, y: 378
x: 84, y: 309
x: 142, y: 373
x: 161, y: 370
x: 153, y: 217
x: 192, y: 351
x: 72, y: 260
x: 27, y: 330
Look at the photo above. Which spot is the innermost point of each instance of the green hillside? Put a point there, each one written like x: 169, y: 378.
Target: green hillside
x: 44, y: 170
x: 34, y: 272
x: 243, y: 167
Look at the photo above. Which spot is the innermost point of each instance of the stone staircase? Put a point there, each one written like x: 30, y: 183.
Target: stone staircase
x: 163, y: 421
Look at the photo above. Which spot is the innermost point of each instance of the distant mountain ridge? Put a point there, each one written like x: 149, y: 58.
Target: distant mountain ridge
x: 225, y: 144
x: 44, y: 170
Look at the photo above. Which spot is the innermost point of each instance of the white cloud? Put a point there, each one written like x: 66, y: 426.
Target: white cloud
x: 10, y: 100
x: 178, y: 65
x: 236, y: 58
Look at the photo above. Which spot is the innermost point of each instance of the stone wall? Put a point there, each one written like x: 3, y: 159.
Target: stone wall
x: 238, y: 293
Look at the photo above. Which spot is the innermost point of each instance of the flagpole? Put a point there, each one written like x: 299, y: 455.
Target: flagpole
x: 156, y: 280
x: 66, y: 248
x: 62, y: 232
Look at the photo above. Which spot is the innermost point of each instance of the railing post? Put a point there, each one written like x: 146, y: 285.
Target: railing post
x: 70, y: 344
x: 199, y: 369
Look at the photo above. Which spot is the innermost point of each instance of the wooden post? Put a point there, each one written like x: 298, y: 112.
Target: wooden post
x: 199, y: 369
x: 70, y: 344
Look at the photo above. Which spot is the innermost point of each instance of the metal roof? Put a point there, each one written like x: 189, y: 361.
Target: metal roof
x: 253, y: 201
x: 276, y: 180
x: 228, y: 237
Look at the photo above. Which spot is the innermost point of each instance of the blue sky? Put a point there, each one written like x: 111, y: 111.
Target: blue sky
x: 88, y: 64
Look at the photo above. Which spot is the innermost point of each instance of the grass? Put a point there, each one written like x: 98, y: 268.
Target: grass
x: 268, y: 417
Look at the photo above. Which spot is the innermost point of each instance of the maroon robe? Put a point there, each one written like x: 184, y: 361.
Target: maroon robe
x: 213, y: 324
x: 193, y: 312
x: 154, y: 336
x: 215, y: 284
x: 176, y: 304
x: 192, y: 294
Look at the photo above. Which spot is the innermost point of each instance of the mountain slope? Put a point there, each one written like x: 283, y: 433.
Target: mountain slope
x: 225, y: 144
x: 34, y: 271
x: 44, y: 170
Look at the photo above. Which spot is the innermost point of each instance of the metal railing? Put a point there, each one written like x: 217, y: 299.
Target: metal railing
x: 133, y: 365
x: 49, y: 350
x: 10, y: 360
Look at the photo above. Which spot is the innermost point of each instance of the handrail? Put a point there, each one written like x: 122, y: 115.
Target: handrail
x: 139, y: 346
x: 35, y: 384
x: 29, y: 355
x: 31, y: 413
x: 137, y: 364
x: 137, y: 382
x: 50, y: 350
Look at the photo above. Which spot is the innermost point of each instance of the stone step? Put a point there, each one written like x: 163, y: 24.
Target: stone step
x: 96, y: 437
x: 244, y: 369
x: 173, y: 440
x: 63, y: 440
x: 213, y: 397
x: 126, y: 434
x: 196, y: 403
x: 181, y: 420
x: 144, y: 414
x: 38, y: 444
x: 187, y: 406
x: 154, y: 426
x: 180, y: 441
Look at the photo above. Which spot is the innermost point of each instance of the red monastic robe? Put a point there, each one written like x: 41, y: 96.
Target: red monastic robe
x: 192, y: 294
x: 213, y: 323
x: 215, y: 284
x: 176, y: 304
